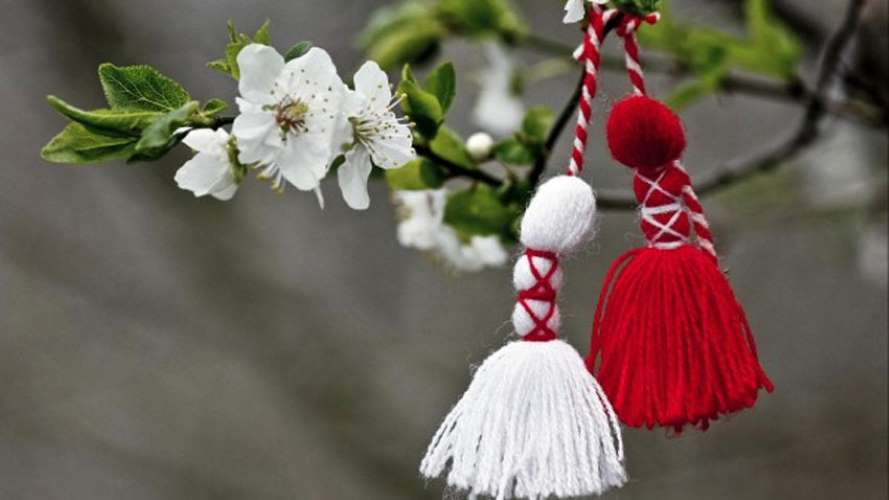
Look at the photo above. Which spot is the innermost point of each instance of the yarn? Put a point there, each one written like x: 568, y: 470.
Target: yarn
x: 533, y: 423
x: 537, y: 277
x: 670, y: 344
x: 643, y: 133
x: 674, y: 342
x: 560, y: 216
x: 588, y: 54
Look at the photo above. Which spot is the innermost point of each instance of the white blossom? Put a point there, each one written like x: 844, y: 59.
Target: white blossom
x: 370, y: 132
x: 210, y: 171
x: 422, y: 217
x: 423, y: 227
x: 289, y: 113
x: 481, y: 252
x: 498, y: 109
x: 574, y: 10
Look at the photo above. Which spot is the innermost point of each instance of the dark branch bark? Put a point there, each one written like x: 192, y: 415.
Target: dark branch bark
x: 455, y: 170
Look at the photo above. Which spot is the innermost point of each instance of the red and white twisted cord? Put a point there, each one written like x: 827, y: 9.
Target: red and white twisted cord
x: 631, y: 49
x: 696, y: 212
x: 588, y: 54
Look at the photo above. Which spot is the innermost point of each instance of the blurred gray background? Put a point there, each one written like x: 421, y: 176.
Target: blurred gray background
x: 156, y: 346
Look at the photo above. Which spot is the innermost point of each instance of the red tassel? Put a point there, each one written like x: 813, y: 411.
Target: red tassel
x: 674, y: 344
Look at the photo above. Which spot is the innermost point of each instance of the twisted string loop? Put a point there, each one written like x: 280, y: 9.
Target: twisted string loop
x: 543, y: 291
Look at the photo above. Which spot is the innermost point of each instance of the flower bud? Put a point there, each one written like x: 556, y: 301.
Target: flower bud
x: 479, y: 146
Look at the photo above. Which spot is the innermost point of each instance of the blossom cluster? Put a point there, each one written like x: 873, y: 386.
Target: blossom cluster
x: 297, y: 121
x: 422, y: 227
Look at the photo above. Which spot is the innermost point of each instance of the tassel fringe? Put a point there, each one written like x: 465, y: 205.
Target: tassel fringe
x: 533, y: 424
x: 674, y: 342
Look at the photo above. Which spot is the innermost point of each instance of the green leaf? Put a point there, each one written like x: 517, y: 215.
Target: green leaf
x: 76, y: 144
x: 641, y: 7
x: 158, y: 137
x: 514, y: 152
x: 410, y: 32
x: 422, y: 107
x: 421, y: 173
x: 778, y: 51
x: 408, y: 74
x: 141, y: 88
x: 483, y: 17
x: 262, y: 34
x: 213, y: 107
x: 450, y: 146
x: 111, y: 121
x: 442, y: 82
x: 689, y: 92
x: 537, y: 124
x: 479, y: 211
x: 297, y: 50
x: 228, y: 64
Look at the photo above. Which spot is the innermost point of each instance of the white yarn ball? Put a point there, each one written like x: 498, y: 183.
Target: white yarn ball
x: 524, y: 324
x: 560, y: 216
x: 524, y: 279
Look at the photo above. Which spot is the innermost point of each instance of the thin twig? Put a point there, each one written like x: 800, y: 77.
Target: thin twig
x: 456, y: 170
x: 805, y: 135
x: 555, y: 132
x: 564, y: 117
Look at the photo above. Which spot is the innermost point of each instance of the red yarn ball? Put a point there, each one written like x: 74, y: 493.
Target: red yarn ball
x: 644, y: 133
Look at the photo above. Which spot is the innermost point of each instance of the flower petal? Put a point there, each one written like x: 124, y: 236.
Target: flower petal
x: 258, y: 137
x: 305, y: 160
x: 226, y: 193
x: 498, y: 109
x: 423, y: 219
x: 260, y: 66
x: 489, y: 250
x: 574, y: 11
x: 201, y: 174
x: 373, y: 82
x: 312, y: 75
x: 352, y: 177
x: 206, y: 140
x: 395, y: 147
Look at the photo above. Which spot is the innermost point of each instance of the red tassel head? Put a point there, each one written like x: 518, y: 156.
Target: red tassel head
x: 644, y: 133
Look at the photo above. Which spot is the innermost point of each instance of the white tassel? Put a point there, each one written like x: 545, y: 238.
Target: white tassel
x: 534, y: 423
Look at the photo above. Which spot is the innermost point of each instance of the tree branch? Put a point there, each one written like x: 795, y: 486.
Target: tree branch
x: 455, y: 170
x: 555, y: 132
x: 804, y: 136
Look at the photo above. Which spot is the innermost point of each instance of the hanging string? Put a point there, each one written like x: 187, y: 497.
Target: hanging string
x: 588, y: 54
x: 627, y: 31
